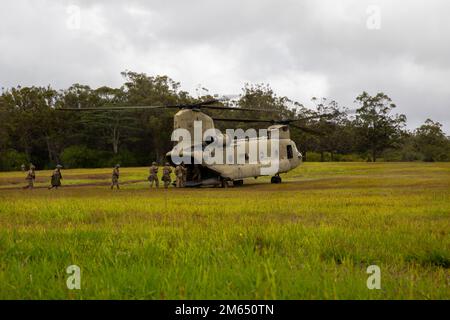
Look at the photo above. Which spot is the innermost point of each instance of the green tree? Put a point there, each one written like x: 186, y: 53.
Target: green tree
x: 155, y: 125
x: 33, y: 126
x: 431, y: 142
x: 376, y: 128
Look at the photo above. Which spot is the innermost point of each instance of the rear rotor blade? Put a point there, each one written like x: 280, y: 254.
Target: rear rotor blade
x: 285, y: 122
x: 327, y: 115
x: 241, y: 120
x: 236, y: 109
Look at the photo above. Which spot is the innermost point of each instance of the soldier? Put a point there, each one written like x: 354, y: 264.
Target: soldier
x: 31, y: 177
x: 167, y: 170
x: 179, y: 175
x: 22, y: 167
x: 184, y: 168
x: 153, y: 177
x: 115, y: 177
x: 196, y: 174
x: 56, y: 178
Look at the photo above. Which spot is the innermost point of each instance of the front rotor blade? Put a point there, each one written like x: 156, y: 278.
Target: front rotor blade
x: 112, y: 108
x: 193, y: 105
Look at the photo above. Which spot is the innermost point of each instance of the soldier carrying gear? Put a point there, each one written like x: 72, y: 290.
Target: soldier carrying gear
x: 31, y: 177
x: 153, y: 177
x: 167, y: 170
x: 184, y: 168
x: 115, y: 177
x: 179, y: 176
x: 56, y: 178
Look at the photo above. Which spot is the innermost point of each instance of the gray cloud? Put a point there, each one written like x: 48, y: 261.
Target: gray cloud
x: 302, y: 48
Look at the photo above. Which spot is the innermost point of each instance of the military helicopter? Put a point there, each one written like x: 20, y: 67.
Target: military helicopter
x: 235, y: 166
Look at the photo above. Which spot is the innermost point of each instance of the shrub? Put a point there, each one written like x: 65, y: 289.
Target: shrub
x: 81, y: 157
x: 124, y: 158
x: 12, y: 160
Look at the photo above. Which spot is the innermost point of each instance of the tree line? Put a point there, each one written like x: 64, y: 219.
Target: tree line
x: 34, y: 131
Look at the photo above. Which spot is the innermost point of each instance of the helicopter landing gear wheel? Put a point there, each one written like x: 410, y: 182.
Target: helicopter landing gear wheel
x: 275, y: 179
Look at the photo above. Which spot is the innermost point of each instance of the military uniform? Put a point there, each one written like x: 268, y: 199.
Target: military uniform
x: 31, y: 177
x: 179, y: 176
x: 115, y: 177
x: 153, y: 177
x: 167, y: 170
x: 197, y: 174
x: 184, y: 169
x: 56, y: 178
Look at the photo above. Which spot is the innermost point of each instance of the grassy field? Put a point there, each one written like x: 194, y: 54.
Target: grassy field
x: 311, y: 237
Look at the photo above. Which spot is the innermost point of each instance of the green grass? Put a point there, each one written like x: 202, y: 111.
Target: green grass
x: 312, y: 237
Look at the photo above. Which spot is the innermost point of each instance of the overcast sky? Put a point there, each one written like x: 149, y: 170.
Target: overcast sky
x: 323, y: 48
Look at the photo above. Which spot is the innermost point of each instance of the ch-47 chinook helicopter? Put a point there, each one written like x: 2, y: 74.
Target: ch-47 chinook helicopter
x: 193, y: 120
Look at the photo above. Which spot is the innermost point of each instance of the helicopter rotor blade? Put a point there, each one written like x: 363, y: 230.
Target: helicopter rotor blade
x: 217, y: 107
x: 229, y: 97
x: 242, y: 120
x: 208, y: 104
x: 320, y: 116
x: 286, y: 122
x: 327, y: 115
x: 112, y: 108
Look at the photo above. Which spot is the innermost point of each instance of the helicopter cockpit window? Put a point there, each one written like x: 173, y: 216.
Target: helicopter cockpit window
x: 289, y: 151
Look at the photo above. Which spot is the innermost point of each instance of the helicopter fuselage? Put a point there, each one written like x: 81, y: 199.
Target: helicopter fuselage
x: 243, y: 158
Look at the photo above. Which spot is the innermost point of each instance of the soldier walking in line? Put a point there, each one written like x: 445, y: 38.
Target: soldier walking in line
x: 167, y: 170
x: 31, y: 177
x: 184, y: 168
x: 179, y: 176
x: 115, y: 177
x: 56, y: 178
x: 153, y: 177
x: 196, y: 174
